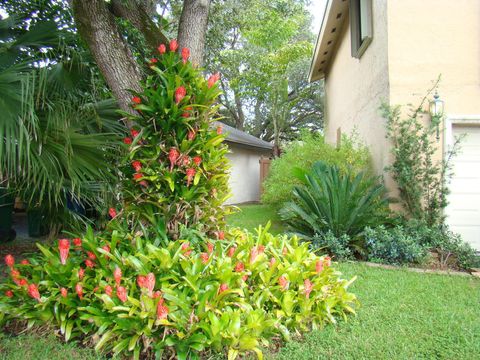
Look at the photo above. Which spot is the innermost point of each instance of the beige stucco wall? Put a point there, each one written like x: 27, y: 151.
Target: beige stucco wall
x: 244, y: 173
x: 354, y: 88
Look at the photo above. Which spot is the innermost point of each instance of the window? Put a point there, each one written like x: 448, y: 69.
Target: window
x: 360, y: 26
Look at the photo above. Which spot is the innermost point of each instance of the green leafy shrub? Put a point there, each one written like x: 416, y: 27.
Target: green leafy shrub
x: 422, y: 181
x: 176, y: 167
x: 304, y: 153
x: 128, y: 296
x: 394, y: 246
x: 333, y: 245
x: 343, y: 203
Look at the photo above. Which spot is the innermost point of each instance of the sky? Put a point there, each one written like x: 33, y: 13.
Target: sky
x: 317, y: 8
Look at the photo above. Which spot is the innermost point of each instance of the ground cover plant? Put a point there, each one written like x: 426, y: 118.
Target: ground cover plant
x: 165, y: 277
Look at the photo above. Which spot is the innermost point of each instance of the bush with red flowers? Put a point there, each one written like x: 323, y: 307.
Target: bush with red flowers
x: 165, y: 279
x: 136, y: 298
x: 176, y: 167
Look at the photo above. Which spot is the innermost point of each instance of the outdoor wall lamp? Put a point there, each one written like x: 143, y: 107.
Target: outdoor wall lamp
x: 436, y: 112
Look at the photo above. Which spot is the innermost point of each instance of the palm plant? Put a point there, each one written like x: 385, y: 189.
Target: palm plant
x: 57, y: 141
x: 329, y: 200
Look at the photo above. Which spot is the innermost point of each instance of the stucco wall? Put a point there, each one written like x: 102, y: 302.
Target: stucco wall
x: 354, y: 88
x: 244, y: 173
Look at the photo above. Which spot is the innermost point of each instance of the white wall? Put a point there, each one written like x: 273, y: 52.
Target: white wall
x: 244, y: 173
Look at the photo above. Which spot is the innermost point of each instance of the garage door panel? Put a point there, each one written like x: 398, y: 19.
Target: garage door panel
x: 463, y: 211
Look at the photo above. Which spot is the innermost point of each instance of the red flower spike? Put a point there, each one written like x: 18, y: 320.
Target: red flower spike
x: 282, y: 280
x: 197, y: 160
x: 136, y: 100
x: 328, y: 261
x: 25, y: 262
x: 185, y: 55
x: 117, y: 275
x: 77, y: 242
x: 186, y: 161
x: 33, y: 292
x: 64, y: 248
x: 173, y: 156
x: 134, y: 133
x: 204, y: 257
x: 81, y: 273
x: 185, y: 115
x: 106, y: 248
x: 308, y: 287
x: 284, y: 251
x: 180, y: 93
x: 222, y: 288
x: 14, y: 273
x: 191, y: 135
x: 137, y: 165
x: 89, y: 263
x: 108, y: 290
x: 253, y: 254
x: 150, y: 283
x: 240, y: 267
x: 212, y: 80
x: 79, y: 290
x: 231, y: 251
x: 157, y: 294
x: 122, y: 293
x: 112, y: 212
x: 173, y: 45
x: 91, y: 255
x: 221, y: 235
x: 186, y: 249
x: 219, y: 130
x: 153, y: 61
x: 137, y: 176
x: 272, y: 261
x: 319, y: 266
x: 190, y: 174
x: 9, y: 293
x: 63, y: 292
x: 127, y: 140
x: 141, y: 281
x: 9, y: 260
x: 210, y: 247
x: 21, y: 282
x: 162, y: 49
x: 162, y: 311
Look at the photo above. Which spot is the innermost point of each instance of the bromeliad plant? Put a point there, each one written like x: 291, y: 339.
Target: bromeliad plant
x: 176, y: 167
x: 132, y: 297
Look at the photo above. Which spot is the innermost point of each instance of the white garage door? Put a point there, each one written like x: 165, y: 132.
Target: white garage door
x: 463, y: 211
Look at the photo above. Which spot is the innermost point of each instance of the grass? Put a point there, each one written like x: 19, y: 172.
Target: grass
x: 403, y: 315
x: 251, y: 216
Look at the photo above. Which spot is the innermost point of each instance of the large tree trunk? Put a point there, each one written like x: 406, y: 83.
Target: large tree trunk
x: 192, y: 28
x: 139, y: 13
x: 97, y: 26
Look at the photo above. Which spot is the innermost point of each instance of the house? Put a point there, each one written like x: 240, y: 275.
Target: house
x: 247, y: 154
x: 369, y: 51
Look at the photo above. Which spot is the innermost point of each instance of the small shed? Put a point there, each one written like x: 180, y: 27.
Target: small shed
x: 249, y: 157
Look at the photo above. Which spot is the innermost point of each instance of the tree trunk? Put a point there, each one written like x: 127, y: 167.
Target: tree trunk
x: 192, y: 28
x: 240, y: 119
x: 139, y: 15
x: 97, y: 26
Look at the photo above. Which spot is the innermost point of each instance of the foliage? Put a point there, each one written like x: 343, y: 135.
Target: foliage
x: 394, y: 246
x: 342, y: 203
x: 333, y: 245
x: 304, y: 153
x: 421, y: 180
x: 133, y: 297
x: 176, y: 166
x: 262, y: 49
x: 57, y: 142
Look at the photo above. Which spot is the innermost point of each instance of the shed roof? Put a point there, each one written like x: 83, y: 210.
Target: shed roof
x: 241, y: 137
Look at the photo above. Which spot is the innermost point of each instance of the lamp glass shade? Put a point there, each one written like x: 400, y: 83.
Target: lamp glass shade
x: 436, y: 106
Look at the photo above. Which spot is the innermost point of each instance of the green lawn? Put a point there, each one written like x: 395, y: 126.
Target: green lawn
x: 251, y: 216
x: 403, y: 315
